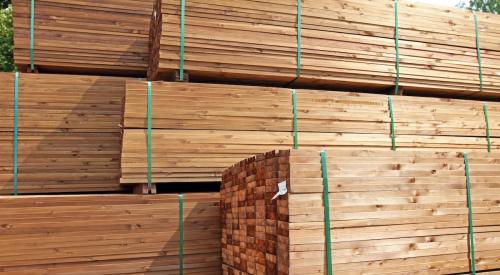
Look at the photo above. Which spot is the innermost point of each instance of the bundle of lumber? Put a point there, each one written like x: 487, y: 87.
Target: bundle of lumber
x: 110, y: 234
x: 200, y: 129
x: 349, y: 44
x: 69, y: 133
x: 84, y: 36
x: 369, y: 212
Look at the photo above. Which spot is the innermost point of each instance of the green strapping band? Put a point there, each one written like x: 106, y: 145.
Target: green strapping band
x: 295, y: 123
x: 181, y: 54
x: 326, y: 205
x: 487, y: 122
x: 478, y: 47
x: 396, y: 37
x: 16, y: 126
x: 469, y: 206
x: 299, y: 38
x: 393, y: 128
x: 181, y: 234
x: 32, y: 36
x: 150, y: 124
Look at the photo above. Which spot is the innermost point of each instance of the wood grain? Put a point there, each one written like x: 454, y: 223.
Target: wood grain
x: 391, y: 213
x: 109, y: 234
x: 344, y: 44
x: 200, y: 129
x: 89, y: 37
x: 69, y: 133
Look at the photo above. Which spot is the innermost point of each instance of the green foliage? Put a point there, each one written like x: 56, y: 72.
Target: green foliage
x: 4, y: 4
x: 492, y: 6
x: 6, y: 40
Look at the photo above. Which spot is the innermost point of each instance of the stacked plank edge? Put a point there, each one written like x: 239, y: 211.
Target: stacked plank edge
x: 397, y: 194
x: 69, y: 133
x: 390, y: 212
x: 347, y: 44
x: 109, y: 37
x: 200, y: 129
x: 109, y: 234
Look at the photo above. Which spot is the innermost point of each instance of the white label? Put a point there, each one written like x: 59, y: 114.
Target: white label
x: 281, y: 190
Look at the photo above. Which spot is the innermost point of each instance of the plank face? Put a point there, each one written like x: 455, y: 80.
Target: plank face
x: 91, y: 37
x: 109, y: 234
x: 200, y: 129
x: 343, y: 44
x: 347, y: 44
x: 69, y: 133
x: 390, y: 212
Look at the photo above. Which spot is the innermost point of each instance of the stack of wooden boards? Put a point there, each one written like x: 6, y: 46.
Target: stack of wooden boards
x: 389, y: 213
x: 337, y: 44
x: 110, y: 234
x: 69, y: 133
x: 87, y: 36
x: 200, y: 129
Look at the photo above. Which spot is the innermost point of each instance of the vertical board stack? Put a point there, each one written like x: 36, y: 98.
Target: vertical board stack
x: 110, y: 234
x: 359, y: 212
x: 69, y: 134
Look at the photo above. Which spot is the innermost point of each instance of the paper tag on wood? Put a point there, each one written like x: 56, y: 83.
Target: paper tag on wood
x: 281, y: 189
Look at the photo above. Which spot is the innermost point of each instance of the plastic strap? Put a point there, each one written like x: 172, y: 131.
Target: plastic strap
x: 150, y: 124
x: 396, y: 37
x: 295, y: 123
x: 393, y: 128
x: 16, y: 126
x: 181, y: 54
x: 478, y: 48
x: 32, y: 36
x: 299, y: 38
x: 326, y: 205
x: 487, y: 122
x: 469, y: 206
x: 181, y: 234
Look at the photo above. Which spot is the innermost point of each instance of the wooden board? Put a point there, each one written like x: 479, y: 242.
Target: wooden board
x: 88, y: 37
x: 200, y: 129
x: 347, y: 44
x: 109, y: 234
x: 69, y: 133
x: 390, y: 213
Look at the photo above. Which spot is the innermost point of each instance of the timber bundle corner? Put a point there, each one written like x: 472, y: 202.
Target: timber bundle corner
x: 250, y: 137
